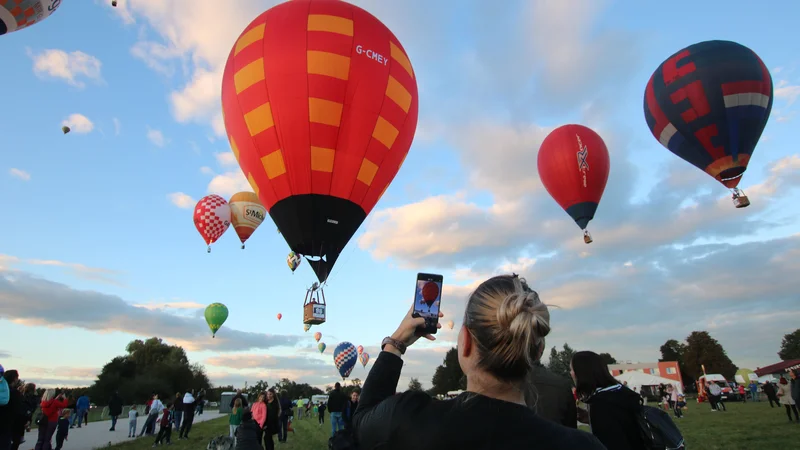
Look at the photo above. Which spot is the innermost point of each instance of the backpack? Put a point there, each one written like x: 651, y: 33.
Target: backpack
x: 342, y: 440
x: 5, y: 392
x: 657, y: 429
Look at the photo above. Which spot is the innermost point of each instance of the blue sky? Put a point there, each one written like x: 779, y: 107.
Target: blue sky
x: 96, y: 210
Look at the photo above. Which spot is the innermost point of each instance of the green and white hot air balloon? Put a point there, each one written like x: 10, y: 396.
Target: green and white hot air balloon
x: 216, y: 315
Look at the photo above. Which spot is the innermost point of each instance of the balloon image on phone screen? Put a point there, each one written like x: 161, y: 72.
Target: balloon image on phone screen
x: 427, y: 300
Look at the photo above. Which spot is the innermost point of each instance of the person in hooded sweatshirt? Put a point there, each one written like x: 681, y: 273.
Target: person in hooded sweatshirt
x: 612, y: 408
x: 248, y: 434
x: 189, y: 403
x: 114, y: 409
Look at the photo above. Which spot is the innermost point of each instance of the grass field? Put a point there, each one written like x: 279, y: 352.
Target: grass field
x: 308, y: 435
x: 744, y: 427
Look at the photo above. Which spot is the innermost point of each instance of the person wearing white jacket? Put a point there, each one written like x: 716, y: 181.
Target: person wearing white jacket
x: 150, y: 424
x: 189, y: 403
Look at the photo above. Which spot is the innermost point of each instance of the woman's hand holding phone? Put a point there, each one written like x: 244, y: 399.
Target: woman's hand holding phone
x: 407, y: 331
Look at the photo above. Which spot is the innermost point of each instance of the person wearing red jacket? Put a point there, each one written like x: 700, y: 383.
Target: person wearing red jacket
x: 51, y: 410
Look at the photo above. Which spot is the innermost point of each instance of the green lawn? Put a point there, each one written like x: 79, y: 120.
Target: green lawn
x: 744, y: 427
x: 308, y: 435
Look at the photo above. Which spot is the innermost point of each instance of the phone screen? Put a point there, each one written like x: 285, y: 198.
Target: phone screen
x: 427, y: 299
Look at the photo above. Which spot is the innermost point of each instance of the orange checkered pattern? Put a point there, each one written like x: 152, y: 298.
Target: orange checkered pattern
x: 319, y: 97
x: 25, y: 12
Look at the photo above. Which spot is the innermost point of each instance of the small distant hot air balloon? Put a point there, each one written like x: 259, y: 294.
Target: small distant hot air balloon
x: 364, y: 359
x: 293, y: 260
x: 573, y: 166
x: 360, y: 349
x: 20, y: 14
x: 114, y: 3
x: 212, y: 217
x: 317, y: 336
x: 321, y: 347
x: 708, y: 104
x: 306, y: 327
x: 344, y: 358
x: 247, y: 213
x: 450, y: 324
x: 279, y: 316
x: 430, y: 292
x: 216, y: 314
x: 65, y: 129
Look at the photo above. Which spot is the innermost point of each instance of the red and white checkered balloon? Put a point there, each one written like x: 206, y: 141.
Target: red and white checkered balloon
x: 212, y: 217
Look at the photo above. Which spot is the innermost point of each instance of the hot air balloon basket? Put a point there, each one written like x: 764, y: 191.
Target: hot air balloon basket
x: 587, y: 238
x: 741, y: 201
x: 314, y: 307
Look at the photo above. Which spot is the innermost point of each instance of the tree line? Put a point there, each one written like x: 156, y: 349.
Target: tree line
x: 698, y: 350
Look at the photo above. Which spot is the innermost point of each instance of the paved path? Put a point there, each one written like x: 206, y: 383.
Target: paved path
x: 96, y: 434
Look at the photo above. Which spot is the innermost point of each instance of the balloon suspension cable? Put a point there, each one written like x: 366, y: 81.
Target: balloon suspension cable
x: 209, y: 249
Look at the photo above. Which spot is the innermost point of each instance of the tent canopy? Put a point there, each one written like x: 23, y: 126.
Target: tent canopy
x: 639, y: 379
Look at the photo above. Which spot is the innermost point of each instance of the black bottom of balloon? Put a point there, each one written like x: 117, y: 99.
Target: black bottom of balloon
x: 317, y: 227
x: 733, y: 172
x: 582, y: 213
x: 3, y: 28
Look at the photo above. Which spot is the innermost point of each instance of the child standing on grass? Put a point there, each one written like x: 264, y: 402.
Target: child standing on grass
x: 680, y: 405
x: 236, y: 417
x: 62, y: 430
x: 132, y: 415
x: 165, y: 427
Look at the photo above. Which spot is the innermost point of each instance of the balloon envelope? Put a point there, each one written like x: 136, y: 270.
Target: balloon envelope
x: 450, y: 324
x: 430, y: 292
x: 344, y: 358
x: 293, y: 260
x: 321, y: 347
x: 709, y: 104
x: 247, y: 213
x: 306, y: 327
x: 212, y: 217
x: 573, y: 166
x: 279, y: 316
x: 65, y: 129
x: 320, y: 105
x: 216, y: 315
x: 364, y: 359
x: 360, y: 349
x: 18, y: 14
x: 317, y: 336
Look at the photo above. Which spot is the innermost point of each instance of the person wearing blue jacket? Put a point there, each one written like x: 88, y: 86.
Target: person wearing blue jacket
x: 81, y: 407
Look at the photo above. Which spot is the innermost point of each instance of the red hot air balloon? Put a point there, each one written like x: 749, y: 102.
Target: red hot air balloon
x: 279, y: 316
x: 430, y: 292
x: 573, y: 166
x: 212, y: 217
x: 320, y: 105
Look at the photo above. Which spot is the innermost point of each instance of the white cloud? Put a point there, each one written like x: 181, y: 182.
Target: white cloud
x: 228, y: 184
x: 70, y: 67
x: 226, y: 159
x: 117, y: 126
x: 79, y: 123
x: 181, y: 200
x: 787, y: 92
x: 99, y: 274
x: 19, y: 173
x: 156, y: 137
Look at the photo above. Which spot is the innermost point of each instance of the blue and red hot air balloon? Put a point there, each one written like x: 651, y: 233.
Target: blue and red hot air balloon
x: 573, y: 166
x: 344, y: 358
x: 709, y: 104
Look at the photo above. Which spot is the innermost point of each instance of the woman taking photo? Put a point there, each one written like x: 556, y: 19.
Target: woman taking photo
x: 612, y: 408
x: 501, y: 339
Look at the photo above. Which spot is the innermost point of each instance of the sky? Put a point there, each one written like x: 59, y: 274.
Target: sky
x: 98, y: 246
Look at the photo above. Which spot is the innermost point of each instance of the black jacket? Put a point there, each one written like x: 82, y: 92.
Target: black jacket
x: 550, y: 395
x: 248, y: 436
x: 244, y: 400
x: 273, y: 416
x: 414, y: 420
x: 336, y: 401
x: 769, y: 390
x: 612, y: 413
x: 115, y: 406
x: 13, y: 414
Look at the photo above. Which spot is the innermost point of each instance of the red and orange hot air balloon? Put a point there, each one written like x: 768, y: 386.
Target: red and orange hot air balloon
x: 279, y: 316
x: 573, y: 166
x: 320, y: 105
x: 430, y: 292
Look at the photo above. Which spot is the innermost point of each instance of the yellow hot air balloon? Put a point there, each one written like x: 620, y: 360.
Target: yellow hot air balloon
x: 247, y: 213
x: 317, y: 336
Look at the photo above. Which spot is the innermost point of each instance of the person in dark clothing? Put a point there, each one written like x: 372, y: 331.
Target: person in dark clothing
x: 177, y: 411
x: 795, y: 381
x: 201, y: 401
x: 189, y: 403
x: 62, y: 430
x: 612, y: 408
x: 30, y: 403
x: 771, y: 393
x: 321, y: 410
x: 349, y: 410
x: 503, y: 331
x: 114, y: 409
x: 550, y: 395
x: 165, y: 427
x: 336, y: 404
x: 286, y: 413
x: 241, y: 396
x: 248, y: 435
x: 272, y: 425
x: 12, y: 414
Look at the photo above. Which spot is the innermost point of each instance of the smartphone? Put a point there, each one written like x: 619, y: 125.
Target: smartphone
x: 427, y: 300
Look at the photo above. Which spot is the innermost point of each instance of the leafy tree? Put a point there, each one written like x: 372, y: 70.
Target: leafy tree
x: 149, y: 366
x: 356, y: 382
x: 560, y: 360
x: 254, y: 389
x: 673, y: 350
x: 608, y: 358
x: 414, y: 385
x: 297, y: 390
x: 702, y: 349
x: 448, y: 376
x: 790, y: 346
